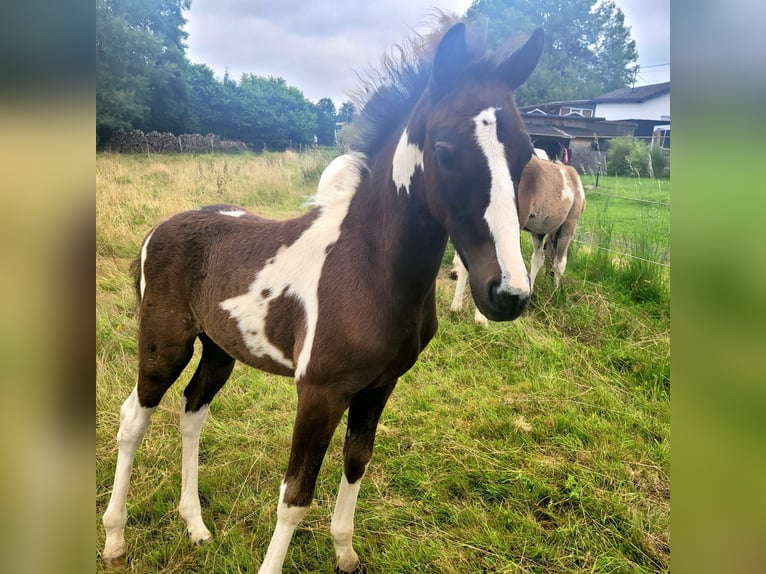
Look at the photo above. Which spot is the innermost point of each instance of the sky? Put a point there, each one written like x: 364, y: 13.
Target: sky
x: 320, y: 46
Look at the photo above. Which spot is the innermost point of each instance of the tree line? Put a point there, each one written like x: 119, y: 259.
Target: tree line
x: 145, y: 81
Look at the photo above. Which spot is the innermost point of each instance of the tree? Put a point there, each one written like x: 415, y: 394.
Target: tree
x: 588, y: 48
x: 326, y: 122
x: 272, y: 115
x: 140, y: 65
x: 346, y: 113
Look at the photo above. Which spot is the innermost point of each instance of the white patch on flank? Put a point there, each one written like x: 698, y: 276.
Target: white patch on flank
x: 232, y: 212
x: 502, y: 215
x: 567, y: 193
x: 407, y: 157
x: 142, y: 283
x: 295, y: 270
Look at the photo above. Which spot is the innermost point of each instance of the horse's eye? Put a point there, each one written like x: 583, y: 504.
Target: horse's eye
x: 445, y: 154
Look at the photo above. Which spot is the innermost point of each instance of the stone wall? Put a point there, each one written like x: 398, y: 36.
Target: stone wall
x: 137, y: 141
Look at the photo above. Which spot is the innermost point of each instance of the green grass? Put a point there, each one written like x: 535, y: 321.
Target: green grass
x: 540, y: 446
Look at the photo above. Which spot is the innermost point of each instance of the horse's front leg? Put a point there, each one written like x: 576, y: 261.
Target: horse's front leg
x: 315, y: 422
x: 363, y: 416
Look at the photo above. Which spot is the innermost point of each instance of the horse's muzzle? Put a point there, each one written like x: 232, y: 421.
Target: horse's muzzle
x: 505, y: 303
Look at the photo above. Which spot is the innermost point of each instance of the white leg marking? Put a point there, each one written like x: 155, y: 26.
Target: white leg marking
x: 502, y: 213
x: 342, y: 526
x: 559, y: 265
x: 297, y: 268
x: 538, y: 259
x: 288, y: 518
x: 142, y: 283
x: 462, y: 279
x: 189, y: 507
x: 479, y: 318
x: 133, y: 422
x: 407, y: 158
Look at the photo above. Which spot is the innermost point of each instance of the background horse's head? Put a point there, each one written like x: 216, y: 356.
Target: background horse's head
x: 475, y: 149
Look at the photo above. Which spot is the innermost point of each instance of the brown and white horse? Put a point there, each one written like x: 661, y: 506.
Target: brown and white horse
x: 343, y: 297
x: 551, y: 201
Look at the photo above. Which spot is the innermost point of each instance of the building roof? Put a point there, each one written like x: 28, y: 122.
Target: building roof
x: 570, y: 128
x: 633, y: 95
x: 621, y: 96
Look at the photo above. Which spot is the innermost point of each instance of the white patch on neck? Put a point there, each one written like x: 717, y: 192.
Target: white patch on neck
x: 232, y: 212
x: 502, y: 214
x: 541, y: 154
x: 295, y: 270
x: 407, y: 157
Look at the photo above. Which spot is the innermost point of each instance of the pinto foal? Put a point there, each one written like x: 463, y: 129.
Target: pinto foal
x: 342, y: 299
x: 551, y: 201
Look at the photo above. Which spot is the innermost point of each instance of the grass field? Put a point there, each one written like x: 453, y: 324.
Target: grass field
x: 541, y: 445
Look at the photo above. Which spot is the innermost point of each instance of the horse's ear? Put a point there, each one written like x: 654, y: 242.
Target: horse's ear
x: 450, y: 57
x: 517, y: 68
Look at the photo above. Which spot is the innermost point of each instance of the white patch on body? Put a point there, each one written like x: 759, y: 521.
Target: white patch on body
x: 232, y: 212
x: 407, y: 158
x: 502, y: 214
x: 142, y: 282
x: 567, y: 193
x: 295, y: 270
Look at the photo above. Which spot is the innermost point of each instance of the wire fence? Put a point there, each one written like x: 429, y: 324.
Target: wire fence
x: 622, y: 253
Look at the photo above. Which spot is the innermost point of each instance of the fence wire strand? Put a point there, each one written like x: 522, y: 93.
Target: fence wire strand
x: 620, y: 253
x: 662, y: 203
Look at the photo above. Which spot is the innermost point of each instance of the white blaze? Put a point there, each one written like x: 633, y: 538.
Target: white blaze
x: 295, y: 270
x: 407, y: 157
x: 502, y: 214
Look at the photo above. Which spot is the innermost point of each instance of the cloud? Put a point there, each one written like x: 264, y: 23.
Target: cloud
x: 319, y: 47
x: 316, y: 47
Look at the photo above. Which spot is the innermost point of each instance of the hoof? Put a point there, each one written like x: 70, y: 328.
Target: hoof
x: 114, y: 562
x: 358, y: 570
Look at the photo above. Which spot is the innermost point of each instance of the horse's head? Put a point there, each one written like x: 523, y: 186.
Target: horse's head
x: 475, y: 149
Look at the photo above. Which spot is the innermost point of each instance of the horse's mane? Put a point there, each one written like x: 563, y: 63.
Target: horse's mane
x: 388, y: 92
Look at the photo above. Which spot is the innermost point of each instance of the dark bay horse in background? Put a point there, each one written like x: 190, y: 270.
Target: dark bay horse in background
x: 551, y: 200
x: 343, y: 297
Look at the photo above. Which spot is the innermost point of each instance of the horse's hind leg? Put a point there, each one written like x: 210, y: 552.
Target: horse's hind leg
x: 538, y: 258
x: 363, y: 416
x: 162, y: 357
x: 461, y: 274
x: 213, y: 371
x: 564, y: 237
